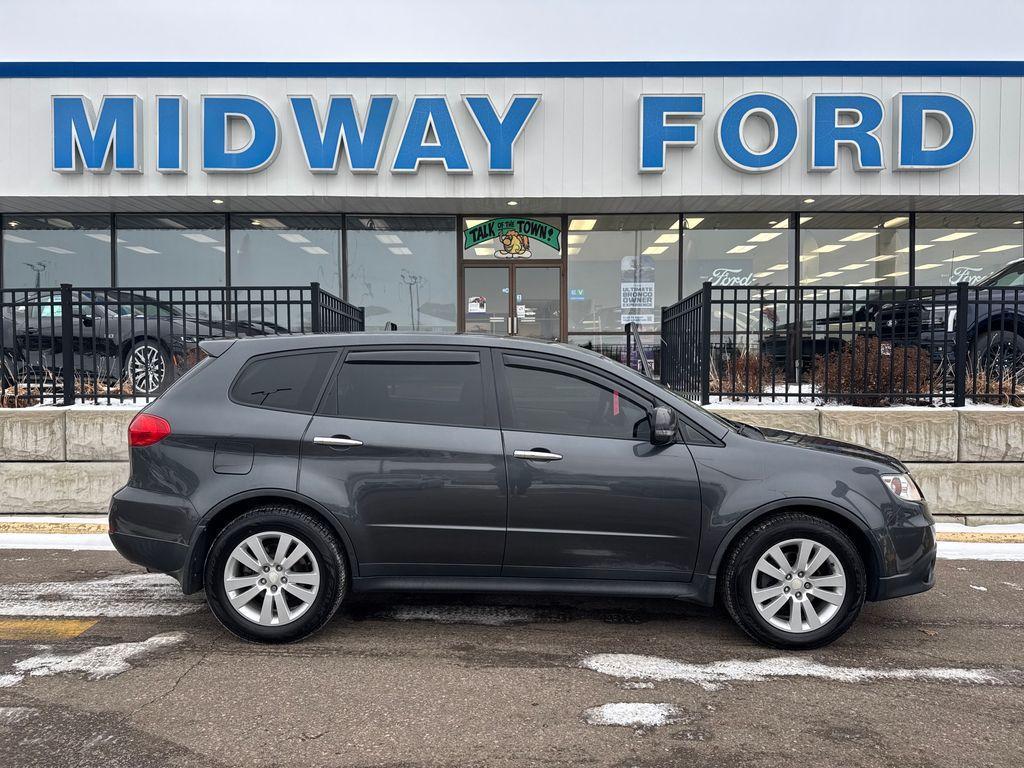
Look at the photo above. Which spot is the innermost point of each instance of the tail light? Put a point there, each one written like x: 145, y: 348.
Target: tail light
x: 147, y: 429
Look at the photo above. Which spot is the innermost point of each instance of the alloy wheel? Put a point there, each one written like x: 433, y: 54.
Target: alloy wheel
x: 271, y: 578
x: 146, y: 369
x: 798, y: 585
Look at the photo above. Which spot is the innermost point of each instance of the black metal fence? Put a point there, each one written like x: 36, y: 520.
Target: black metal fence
x: 920, y: 345
x: 72, y: 344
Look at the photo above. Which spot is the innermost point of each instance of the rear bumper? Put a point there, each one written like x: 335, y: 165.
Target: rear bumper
x: 155, y: 554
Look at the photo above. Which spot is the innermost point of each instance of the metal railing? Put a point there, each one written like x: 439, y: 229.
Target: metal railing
x: 73, y: 344
x: 918, y: 345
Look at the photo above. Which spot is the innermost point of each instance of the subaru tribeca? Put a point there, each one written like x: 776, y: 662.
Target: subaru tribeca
x: 283, y: 474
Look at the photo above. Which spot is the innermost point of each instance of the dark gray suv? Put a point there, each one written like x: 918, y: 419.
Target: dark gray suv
x: 282, y: 474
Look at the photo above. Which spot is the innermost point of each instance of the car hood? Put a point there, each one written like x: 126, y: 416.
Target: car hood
x: 836, y: 447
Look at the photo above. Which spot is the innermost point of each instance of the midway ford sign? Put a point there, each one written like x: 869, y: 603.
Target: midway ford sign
x: 754, y: 133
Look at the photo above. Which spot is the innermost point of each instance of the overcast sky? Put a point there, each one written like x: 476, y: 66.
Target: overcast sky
x: 514, y: 30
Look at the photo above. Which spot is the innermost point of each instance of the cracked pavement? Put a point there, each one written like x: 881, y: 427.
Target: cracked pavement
x: 458, y: 681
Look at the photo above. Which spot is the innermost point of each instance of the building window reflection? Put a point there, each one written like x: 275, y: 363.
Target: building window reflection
x: 954, y: 247
x: 402, y: 270
x: 855, y: 249
x: 47, y: 250
x: 736, y: 249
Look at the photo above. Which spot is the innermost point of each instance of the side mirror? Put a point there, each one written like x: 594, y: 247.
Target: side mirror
x: 664, y: 426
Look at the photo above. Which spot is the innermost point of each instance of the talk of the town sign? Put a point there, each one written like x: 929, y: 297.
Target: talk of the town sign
x: 107, y: 136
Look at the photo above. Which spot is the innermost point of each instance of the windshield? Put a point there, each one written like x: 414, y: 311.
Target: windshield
x: 1013, y: 277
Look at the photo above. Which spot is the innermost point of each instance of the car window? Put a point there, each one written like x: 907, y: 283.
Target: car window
x: 421, y: 386
x: 1010, y: 279
x: 288, y: 382
x: 542, y: 400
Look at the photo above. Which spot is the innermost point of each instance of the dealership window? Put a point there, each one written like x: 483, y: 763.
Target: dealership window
x: 402, y: 270
x: 170, y: 250
x: 621, y: 269
x: 286, y: 250
x: 736, y: 249
x: 950, y: 248
x: 537, y: 238
x: 45, y: 251
x: 856, y: 249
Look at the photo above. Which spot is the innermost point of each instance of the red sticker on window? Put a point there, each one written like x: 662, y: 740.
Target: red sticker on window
x: 615, y: 403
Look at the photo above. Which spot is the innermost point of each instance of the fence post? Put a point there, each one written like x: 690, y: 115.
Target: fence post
x: 314, y: 300
x: 705, y: 344
x: 960, y: 351
x: 67, y: 344
x: 629, y: 344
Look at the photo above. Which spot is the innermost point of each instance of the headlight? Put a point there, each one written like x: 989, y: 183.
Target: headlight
x: 903, y: 487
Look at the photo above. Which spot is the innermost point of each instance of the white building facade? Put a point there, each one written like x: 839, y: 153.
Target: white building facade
x: 553, y: 200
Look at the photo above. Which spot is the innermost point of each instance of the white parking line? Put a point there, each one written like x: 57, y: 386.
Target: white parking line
x: 713, y: 676
x: 133, y: 594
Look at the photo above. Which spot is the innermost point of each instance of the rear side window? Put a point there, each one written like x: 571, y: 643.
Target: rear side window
x: 286, y: 382
x: 555, y: 402
x: 421, y: 386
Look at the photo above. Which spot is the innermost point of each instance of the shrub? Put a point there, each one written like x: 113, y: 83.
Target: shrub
x: 866, y: 372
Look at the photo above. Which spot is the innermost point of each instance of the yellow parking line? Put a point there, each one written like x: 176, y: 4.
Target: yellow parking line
x: 29, y: 526
x: 987, y: 538
x: 43, y: 629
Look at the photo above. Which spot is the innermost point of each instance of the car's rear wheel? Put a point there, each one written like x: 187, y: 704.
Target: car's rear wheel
x: 146, y: 367
x: 275, y: 574
x: 794, y: 581
x: 1000, y: 352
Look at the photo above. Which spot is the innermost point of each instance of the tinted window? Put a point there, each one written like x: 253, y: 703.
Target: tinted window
x: 287, y: 382
x: 428, y: 388
x: 559, y: 403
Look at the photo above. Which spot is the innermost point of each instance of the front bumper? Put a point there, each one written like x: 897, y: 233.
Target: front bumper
x: 916, y: 574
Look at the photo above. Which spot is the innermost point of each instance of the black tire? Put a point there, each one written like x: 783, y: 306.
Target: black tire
x: 999, y: 351
x: 308, y: 529
x: 154, y: 375
x: 738, y: 569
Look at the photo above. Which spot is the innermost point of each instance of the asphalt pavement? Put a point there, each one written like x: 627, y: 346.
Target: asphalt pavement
x: 103, y: 665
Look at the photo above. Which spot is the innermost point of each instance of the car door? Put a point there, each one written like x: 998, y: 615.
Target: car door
x: 589, y: 495
x: 405, y: 449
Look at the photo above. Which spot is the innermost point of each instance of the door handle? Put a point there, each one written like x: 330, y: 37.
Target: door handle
x: 337, y: 442
x: 537, y: 455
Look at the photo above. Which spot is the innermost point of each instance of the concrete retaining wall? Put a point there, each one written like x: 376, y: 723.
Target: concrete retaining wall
x: 969, y: 462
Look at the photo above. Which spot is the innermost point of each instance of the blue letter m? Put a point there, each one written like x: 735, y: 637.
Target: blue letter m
x: 82, y: 139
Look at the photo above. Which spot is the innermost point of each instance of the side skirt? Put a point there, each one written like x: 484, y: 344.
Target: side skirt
x: 701, y: 589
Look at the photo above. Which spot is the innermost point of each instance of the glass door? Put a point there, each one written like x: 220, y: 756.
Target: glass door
x: 513, y: 300
x: 538, y: 306
x: 485, y: 300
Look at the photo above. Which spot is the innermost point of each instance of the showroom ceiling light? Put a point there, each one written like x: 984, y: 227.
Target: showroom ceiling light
x: 667, y: 238
x: 57, y: 249
x: 217, y: 201
x: 777, y: 267
x: 690, y: 222
x: 828, y: 248
x: 741, y: 248
x: 293, y: 237
x: 928, y: 266
x: 964, y: 257
x: 917, y: 247
x: 882, y: 257
x: 402, y: 251
x: 512, y: 202
x: 897, y: 274
x: 808, y: 280
x: 199, y: 237
x: 829, y: 274
x: 758, y: 276
x: 577, y: 239
x: 998, y: 248
x: 784, y: 224
x: 856, y: 237
x: 19, y: 239
x: 315, y: 250
x: 584, y: 225
x: 390, y: 239
x: 470, y: 223
x: 808, y: 257
x: 896, y: 222
x: 850, y: 267
x: 952, y: 236
x: 654, y: 250
x: 808, y: 200
x: 872, y: 279
x: 142, y: 249
x: 763, y: 237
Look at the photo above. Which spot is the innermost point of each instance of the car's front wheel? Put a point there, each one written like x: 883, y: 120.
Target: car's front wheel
x: 275, y: 574
x: 794, y: 581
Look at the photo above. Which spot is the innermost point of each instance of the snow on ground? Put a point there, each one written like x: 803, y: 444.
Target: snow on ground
x: 74, y: 541
x: 713, y: 676
x: 961, y: 528
x: 15, y: 715
x: 135, y: 594
x: 637, y: 715
x: 95, y: 663
x: 973, y: 550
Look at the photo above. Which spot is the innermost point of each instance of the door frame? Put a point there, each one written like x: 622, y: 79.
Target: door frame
x: 461, y: 263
